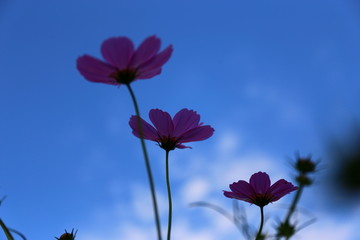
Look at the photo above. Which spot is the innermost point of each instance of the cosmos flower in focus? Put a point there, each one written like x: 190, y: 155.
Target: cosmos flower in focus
x: 171, y: 133
x: 123, y: 64
x: 258, y: 191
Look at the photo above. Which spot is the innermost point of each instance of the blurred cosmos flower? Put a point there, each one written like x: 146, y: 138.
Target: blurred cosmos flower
x: 123, y: 64
x: 171, y: 133
x: 258, y: 191
x: 343, y: 173
x: 305, y: 165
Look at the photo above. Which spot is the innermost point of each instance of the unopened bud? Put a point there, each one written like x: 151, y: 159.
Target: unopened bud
x: 285, y: 230
x: 304, y: 180
x: 68, y: 236
x: 305, y: 165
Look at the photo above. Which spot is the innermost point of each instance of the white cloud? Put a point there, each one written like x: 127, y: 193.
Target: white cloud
x: 202, y: 177
x: 195, y: 189
x: 184, y: 231
x: 330, y: 228
x: 141, y: 204
x: 228, y: 142
x: 288, y: 109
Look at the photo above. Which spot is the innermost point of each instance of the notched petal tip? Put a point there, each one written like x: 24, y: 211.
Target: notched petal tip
x: 157, y: 61
x: 242, y: 187
x: 280, y: 189
x: 197, y: 134
x: 149, y: 132
x: 162, y: 122
x: 118, y: 51
x: 95, y: 70
x: 260, y: 181
x: 146, y: 51
x: 185, y: 120
x: 228, y: 194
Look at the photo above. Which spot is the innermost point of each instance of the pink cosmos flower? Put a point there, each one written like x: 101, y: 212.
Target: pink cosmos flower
x: 123, y: 64
x: 259, y: 191
x: 171, y: 133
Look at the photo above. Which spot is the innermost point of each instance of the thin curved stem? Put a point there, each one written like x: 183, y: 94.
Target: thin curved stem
x: 6, y: 230
x: 258, y: 235
x: 291, y: 211
x: 234, y: 218
x: 169, y: 195
x: 147, y: 163
x: 294, y: 203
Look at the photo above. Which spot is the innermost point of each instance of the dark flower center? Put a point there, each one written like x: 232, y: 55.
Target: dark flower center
x: 168, y: 143
x: 125, y: 76
x: 261, y: 200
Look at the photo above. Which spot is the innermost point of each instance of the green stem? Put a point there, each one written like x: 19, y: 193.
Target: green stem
x: 294, y: 203
x: 291, y: 209
x: 169, y: 195
x: 258, y: 235
x: 147, y: 163
x: 6, y: 230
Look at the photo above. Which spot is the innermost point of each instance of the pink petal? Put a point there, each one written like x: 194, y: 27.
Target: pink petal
x: 197, y: 134
x: 231, y: 195
x: 118, y: 51
x: 95, y: 70
x: 99, y: 79
x: 238, y: 196
x: 157, y: 61
x: 182, y: 146
x: 184, y: 120
x: 162, y: 122
x: 260, y: 182
x: 280, y: 189
x: 148, y: 74
x: 147, y: 50
x: 242, y: 188
x: 149, y: 131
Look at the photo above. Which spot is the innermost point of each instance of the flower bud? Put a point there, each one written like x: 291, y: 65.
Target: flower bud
x: 305, y: 165
x: 304, y: 180
x: 285, y: 230
x: 68, y: 236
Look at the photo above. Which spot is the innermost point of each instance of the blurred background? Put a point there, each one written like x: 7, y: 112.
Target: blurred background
x: 274, y: 78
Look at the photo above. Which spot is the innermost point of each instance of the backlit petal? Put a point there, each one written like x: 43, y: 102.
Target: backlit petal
x: 149, y: 131
x: 184, y: 120
x: 162, y: 122
x: 148, y: 74
x: 182, y: 146
x: 242, y: 188
x: 157, y: 61
x: 260, y: 182
x: 118, y: 51
x: 147, y: 50
x: 95, y: 70
x: 280, y: 189
x: 237, y: 196
x: 197, y: 134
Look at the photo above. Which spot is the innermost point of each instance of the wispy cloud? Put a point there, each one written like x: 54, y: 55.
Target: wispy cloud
x: 202, y: 177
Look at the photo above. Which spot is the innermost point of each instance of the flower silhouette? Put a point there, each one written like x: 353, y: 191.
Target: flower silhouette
x: 68, y: 236
x: 258, y: 191
x: 123, y: 64
x: 171, y: 133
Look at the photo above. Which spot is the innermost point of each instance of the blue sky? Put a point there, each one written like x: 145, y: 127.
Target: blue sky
x: 272, y: 77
